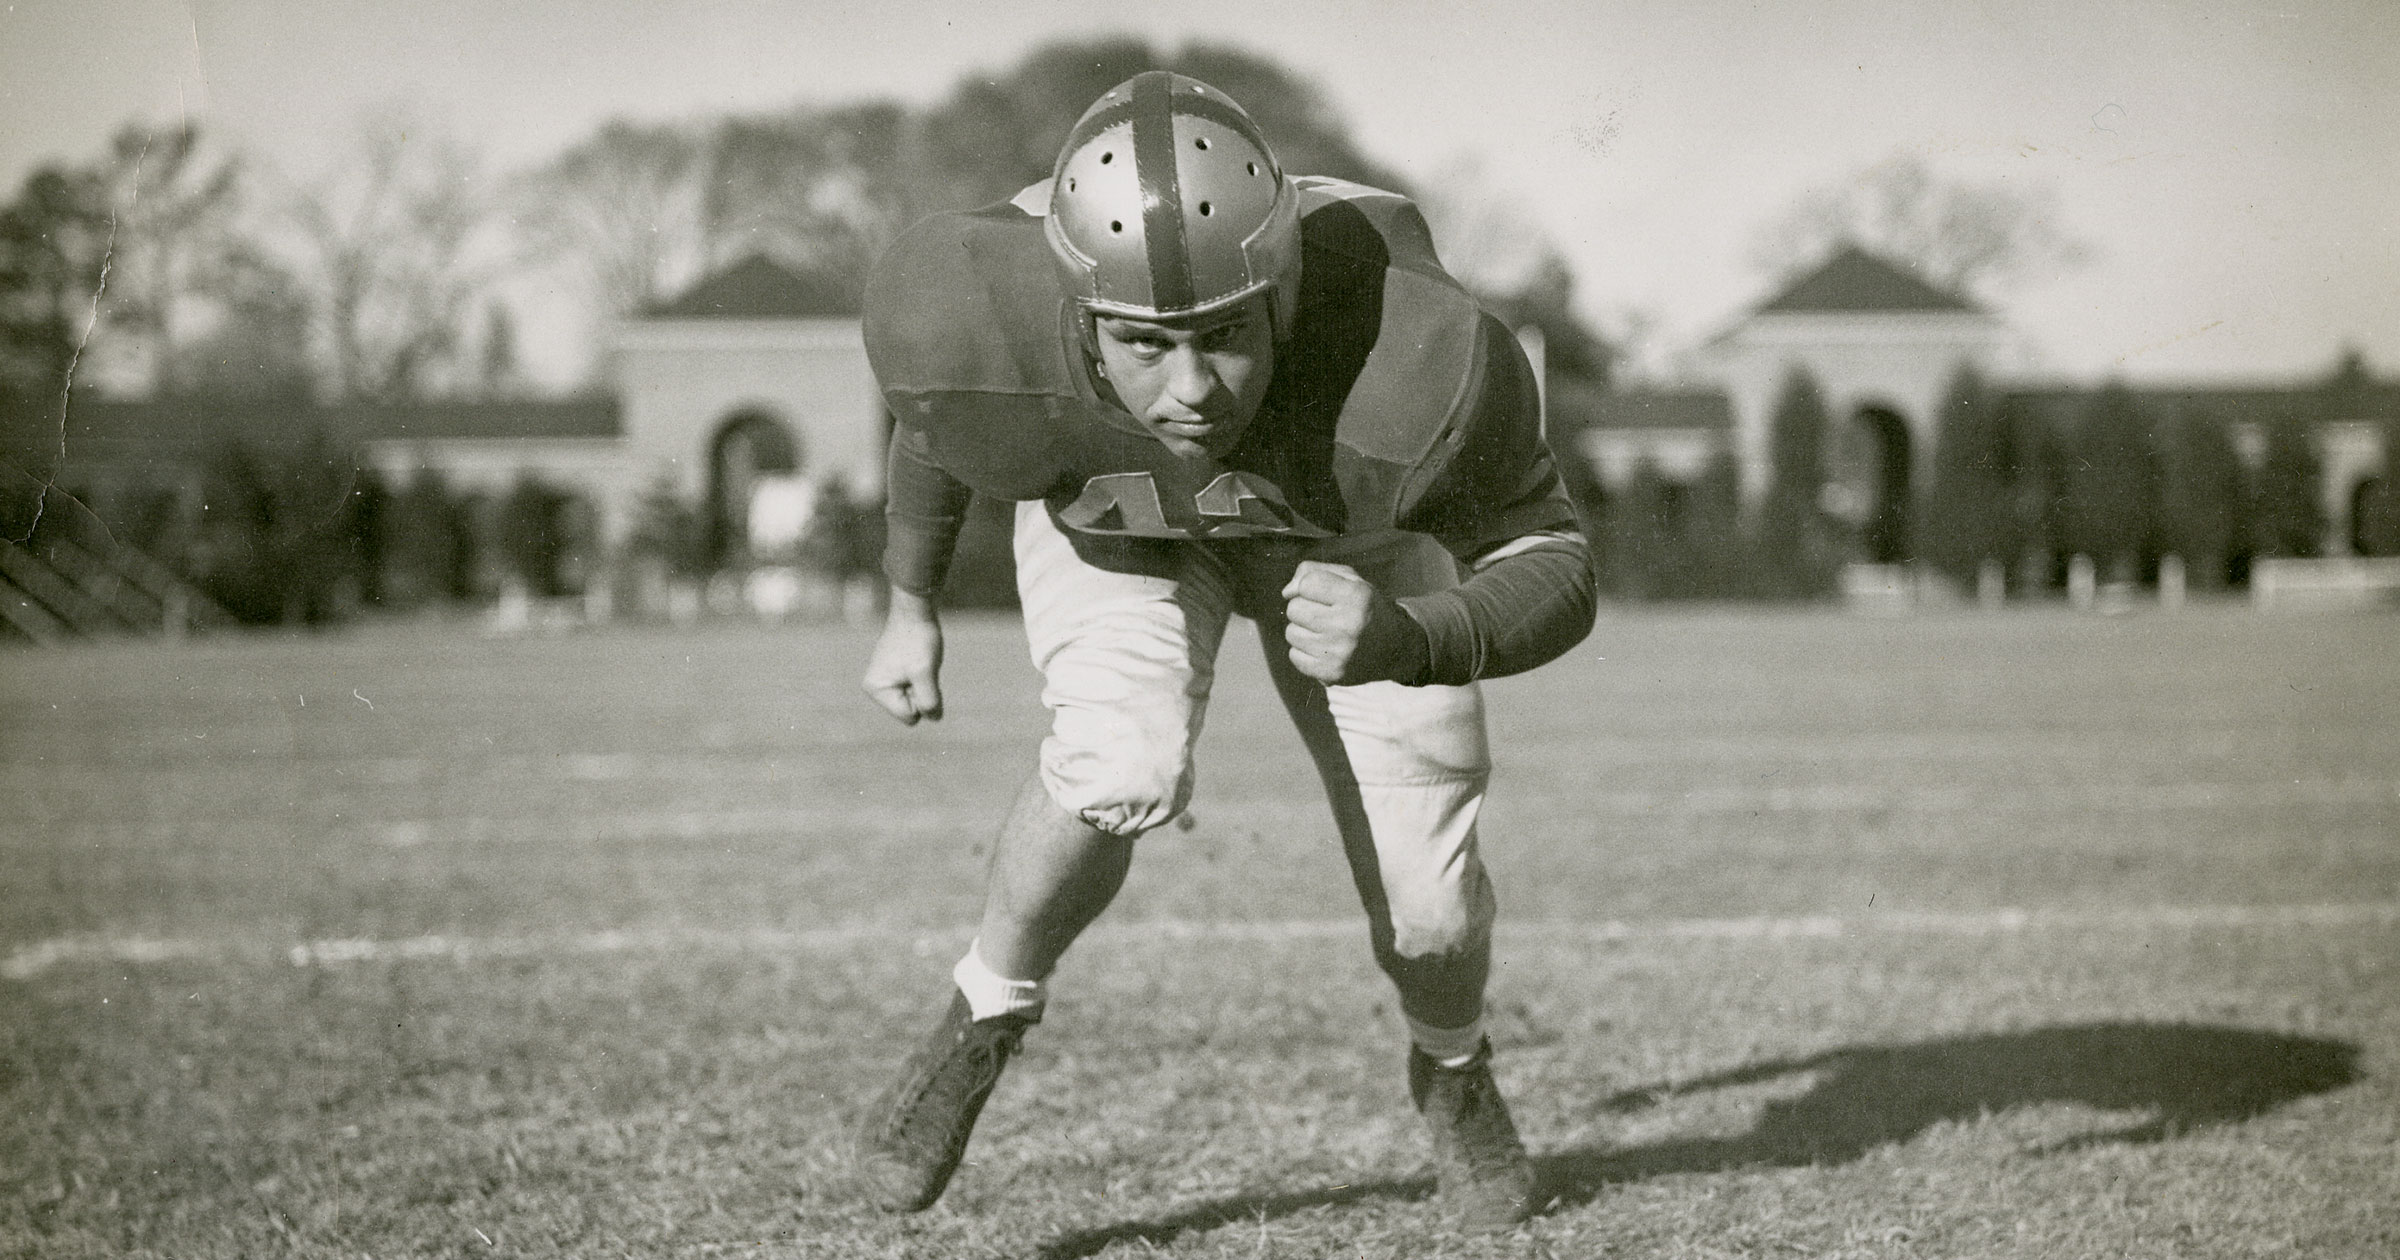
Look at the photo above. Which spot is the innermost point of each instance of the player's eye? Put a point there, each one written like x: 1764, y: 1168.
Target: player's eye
x: 1225, y: 336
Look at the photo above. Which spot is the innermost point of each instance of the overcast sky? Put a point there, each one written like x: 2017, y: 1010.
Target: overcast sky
x: 2235, y: 165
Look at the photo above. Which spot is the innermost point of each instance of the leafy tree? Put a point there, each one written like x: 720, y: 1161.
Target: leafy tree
x: 536, y: 537
x: 116, y: 261
x: 1668, y: 539
x: 135, y: 271
x: 1793, y: 546
x: 174, y: 203
x: 2289, y: 516
x: 2112, y: 486
x: 1002, y: 132
x: 2379, y: 506
x: 1961, y: 236
x: 2045, y: 457
x: 1715, y: 564
x: 2200, y: 496
x: 54, y: 241
x: 1966, y: 516
x: 280, y: 539
x: 1634, y: 536
x: 421, y: 543
x: 371, y: 505
x: 671, y: 530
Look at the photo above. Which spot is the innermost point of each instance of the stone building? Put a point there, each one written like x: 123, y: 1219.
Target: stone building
x: 1883, y: 346
x: 747, y: 397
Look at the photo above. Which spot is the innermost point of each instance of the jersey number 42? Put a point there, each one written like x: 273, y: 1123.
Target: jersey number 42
x: 1234, y: 505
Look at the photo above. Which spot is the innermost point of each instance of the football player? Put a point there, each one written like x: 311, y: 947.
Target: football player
x: 1213, y: 388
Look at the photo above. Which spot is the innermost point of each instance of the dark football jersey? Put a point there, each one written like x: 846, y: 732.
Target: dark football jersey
x: 1396, y: 401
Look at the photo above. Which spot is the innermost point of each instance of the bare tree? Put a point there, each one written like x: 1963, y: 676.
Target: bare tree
x: 1487, y: 238
x: 255, y: 343
x: 629, y: 206
x: 1509, y: 260
x: 394, y: 251
x: 644, y: 210
x: 1961, y: 236
x: 825, y: 188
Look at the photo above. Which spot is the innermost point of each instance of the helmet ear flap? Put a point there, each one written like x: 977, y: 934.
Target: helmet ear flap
x: 1285, y: 308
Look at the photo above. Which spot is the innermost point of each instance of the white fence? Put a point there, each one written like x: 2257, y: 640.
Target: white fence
x: 2335, y: 583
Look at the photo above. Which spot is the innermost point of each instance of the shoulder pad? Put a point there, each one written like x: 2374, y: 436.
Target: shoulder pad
x: 1365, y: 222
x: 964, y: 301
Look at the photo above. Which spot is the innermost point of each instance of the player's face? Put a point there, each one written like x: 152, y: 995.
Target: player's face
x: 1194, y: 384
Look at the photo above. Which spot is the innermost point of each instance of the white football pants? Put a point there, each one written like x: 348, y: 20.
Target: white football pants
x: 1127, y: 661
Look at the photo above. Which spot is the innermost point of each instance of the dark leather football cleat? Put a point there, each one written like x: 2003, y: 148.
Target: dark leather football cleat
x: 1485, y: 1180
x: 912, y: 1138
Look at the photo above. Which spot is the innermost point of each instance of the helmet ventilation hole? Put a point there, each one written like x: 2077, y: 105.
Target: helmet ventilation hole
x: 1204, y: 210
x: 1201, y: 143
x: 1116, y: 225
x: 1070, y: 184
x: 1253, y: 167
x: 1107, y: 158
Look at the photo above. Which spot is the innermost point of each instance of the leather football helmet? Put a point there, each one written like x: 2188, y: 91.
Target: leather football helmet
x: 1166, y: 203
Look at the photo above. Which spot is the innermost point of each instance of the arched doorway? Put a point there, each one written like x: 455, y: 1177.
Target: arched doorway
x: 1871, y: 478
x: 751, y: 446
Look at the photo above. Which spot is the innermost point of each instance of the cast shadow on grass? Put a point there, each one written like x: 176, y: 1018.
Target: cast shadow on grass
x: 2178, y: 1077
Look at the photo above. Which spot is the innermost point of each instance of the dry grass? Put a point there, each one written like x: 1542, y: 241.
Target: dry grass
x: 691, y: 896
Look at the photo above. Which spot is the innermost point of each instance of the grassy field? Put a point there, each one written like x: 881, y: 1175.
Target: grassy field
x: 1948, y: 936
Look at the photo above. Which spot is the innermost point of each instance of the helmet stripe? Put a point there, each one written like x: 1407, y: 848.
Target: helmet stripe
x: 1162, y: 192
x: 1215, y: 109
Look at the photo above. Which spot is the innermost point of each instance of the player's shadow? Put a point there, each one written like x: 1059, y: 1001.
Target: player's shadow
x: 2173, y: 1077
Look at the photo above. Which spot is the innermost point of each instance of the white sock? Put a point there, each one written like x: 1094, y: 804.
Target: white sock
x: 989, y: 993
x: 1450, y: 1047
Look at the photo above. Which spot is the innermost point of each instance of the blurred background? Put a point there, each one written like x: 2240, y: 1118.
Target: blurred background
x: 504, y: 862
x: 545, y: 315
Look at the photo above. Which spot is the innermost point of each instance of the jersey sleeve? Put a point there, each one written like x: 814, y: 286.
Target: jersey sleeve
x: 1499, y: 505
x: 1499, y: 482
x: 924, y: 509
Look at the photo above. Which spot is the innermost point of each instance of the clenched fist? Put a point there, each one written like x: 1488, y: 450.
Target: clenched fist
x: 904, y: 674
x: 1341, y: 630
